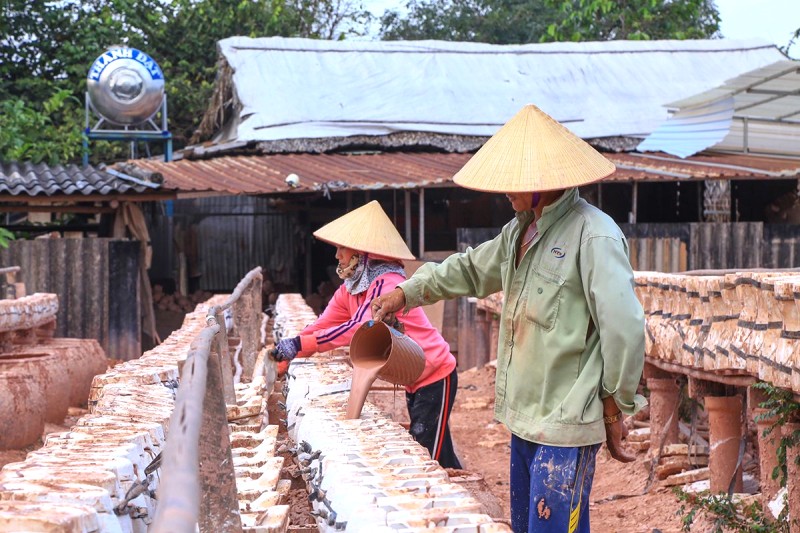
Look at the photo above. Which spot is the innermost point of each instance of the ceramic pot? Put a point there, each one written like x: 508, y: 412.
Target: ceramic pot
x: 22, y: 407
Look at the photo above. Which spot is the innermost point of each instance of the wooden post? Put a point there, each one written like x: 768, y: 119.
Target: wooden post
x: 221, y: 354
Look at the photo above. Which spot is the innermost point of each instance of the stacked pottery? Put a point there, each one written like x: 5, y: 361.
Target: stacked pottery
x: 22, y: 407
x: 665, y: 331
x: 768, y: 436
x: 695, y: 332
x: 83, y: 359
x: 49, y: 371
x: 735, y: 310
x: 717, y: 315
x: 795, y: 364
x: 28, y: 311
x: 674, y: 332
x: 641, y: 289
x: 762, y: 321
x: 751, y: 324
x: 680, y: 318
x: 775, y: 365
x: 725, y: 433
x: 654, y: 311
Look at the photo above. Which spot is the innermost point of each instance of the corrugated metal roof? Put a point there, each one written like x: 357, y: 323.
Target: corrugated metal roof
x: 40, y: 179
x: 764, y: 92
x: 704, y: 166
x: 284, y: 88
x: 764, y: 105
x: 691, y: 130
x: 266, y: 174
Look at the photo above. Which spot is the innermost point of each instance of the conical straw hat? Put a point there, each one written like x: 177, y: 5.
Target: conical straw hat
x: 366, y: 229
x: 533, y: 152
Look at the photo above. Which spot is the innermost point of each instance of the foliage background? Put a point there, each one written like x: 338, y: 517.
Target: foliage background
x: 46, y: 47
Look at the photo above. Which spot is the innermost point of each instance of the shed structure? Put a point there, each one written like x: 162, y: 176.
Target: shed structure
x: 394, y: 121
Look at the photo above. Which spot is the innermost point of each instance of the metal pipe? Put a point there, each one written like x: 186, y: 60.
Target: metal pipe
x: 649, y: 170
x: 745, y: 133
x: 600, y: 196
x: 706, y: 164
x: 126, y: 177
x: 407, y: 206
x: 421, y: 223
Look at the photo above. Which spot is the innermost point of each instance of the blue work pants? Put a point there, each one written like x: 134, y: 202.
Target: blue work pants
x: 550, y: 487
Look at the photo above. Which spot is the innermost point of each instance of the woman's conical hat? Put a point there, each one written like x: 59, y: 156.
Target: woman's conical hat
x: 533, y: 152
x: 366, y: 229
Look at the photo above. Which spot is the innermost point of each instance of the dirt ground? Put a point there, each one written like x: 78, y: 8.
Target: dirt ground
x: 617, y: 503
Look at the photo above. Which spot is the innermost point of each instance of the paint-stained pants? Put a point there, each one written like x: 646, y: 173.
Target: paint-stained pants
x: 429, y: 410
x: 550, y: 487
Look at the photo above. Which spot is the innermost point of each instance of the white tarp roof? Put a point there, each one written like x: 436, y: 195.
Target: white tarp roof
x: 301, y: 88
x: 757, y: 111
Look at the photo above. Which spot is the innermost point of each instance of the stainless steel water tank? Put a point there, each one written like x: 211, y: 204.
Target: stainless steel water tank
x: 126, y: 86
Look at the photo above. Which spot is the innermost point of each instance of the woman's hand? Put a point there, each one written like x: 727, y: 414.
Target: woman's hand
x: 286, y: 349
x: 384, y: 307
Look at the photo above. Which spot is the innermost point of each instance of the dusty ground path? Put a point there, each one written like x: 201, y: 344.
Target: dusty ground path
x: 617, y: 503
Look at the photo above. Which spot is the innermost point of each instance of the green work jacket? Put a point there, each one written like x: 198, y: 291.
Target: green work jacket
x: 571, y: 328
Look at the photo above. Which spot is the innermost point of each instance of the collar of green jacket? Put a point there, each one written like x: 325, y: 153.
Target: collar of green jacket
x: 551, y: 212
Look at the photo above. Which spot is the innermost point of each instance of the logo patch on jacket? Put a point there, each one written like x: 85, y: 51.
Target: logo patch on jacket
x: 558, y: 252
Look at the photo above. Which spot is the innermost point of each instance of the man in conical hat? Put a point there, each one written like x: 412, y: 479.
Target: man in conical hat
x: 571, y: 340
x: 370, y: 254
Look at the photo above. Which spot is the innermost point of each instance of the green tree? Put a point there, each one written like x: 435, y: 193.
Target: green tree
x: 47, y: 47
x: 5, y: 237
x: 186, y: 46
x: 489, y: 21
x: 49, y: 135
x: 790, y: 46
x: 526, y: 21
x: 605, y: 20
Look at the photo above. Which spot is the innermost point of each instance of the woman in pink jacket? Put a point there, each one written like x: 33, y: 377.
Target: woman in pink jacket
x: 369, y: 251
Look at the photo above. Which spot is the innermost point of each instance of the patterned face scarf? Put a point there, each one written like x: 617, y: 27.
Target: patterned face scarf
x: 364, y: 272
x: 348, y: 271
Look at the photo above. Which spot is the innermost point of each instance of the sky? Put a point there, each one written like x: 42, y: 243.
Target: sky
x: 772, y: 20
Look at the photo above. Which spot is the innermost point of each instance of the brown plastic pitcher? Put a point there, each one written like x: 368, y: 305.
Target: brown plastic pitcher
x: 401, y: 359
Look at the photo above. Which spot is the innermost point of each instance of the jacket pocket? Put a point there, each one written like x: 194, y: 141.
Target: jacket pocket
x: 544, y: 296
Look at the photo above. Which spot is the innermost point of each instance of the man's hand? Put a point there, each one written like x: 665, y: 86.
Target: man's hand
x: 384, y: 307
x: 286, y: 349
x: 615, y: 431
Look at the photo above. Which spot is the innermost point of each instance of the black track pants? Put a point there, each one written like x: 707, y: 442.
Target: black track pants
x: 429, y: 409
